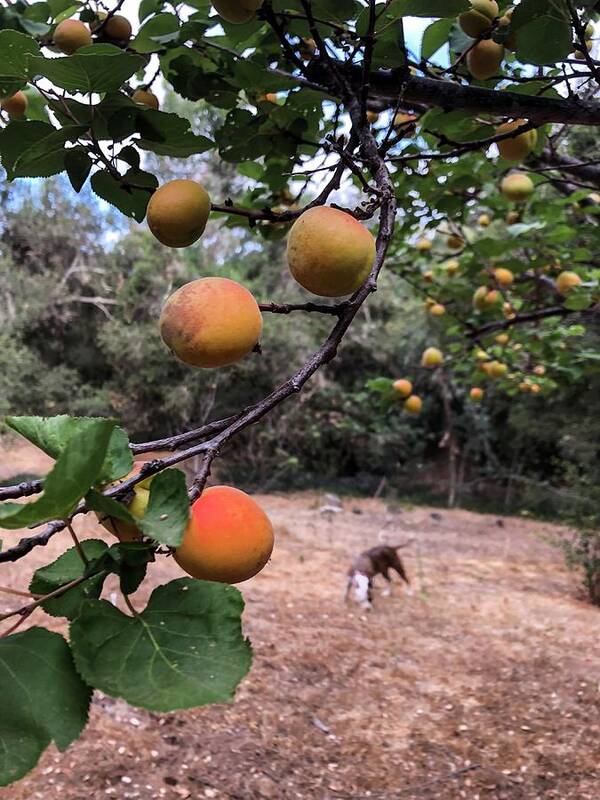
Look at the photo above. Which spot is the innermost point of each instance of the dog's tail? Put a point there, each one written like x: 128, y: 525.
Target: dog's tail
x: 400, y: 546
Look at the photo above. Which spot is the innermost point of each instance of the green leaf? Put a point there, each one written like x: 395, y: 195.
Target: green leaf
x: 108, y: 507
x: 435, y: 37
x: 75, y: 471
x: 543, y: 31
x: 169, y: 135
x: 129, y: 200
x: 65, y: 569
x: 97, y: 68
x: 129, y: 561
x: 51, y: 434
x: 168, y: 510
x: 154, y: 34
x: 185, y: 649
x: 43, y: 699
x: 15, y: 50
x: 78, y: 165
x: 578, y: 300
x: 34, y: 149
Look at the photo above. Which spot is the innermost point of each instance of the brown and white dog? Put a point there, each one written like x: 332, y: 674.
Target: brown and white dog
x: 376, y: 561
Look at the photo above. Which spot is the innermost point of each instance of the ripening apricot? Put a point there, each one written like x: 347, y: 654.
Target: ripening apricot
x: 236, y: 11
x: 540, y: 370
x: 517, y: 187
x: 484, y: 59
x: 432, y: 357
x: 413, y: 404
x: 452, y: 266
x: 495, y: 369
x: 485, y: 299
x: 428, y: 276
x: 229, y: 538
x: 145, y: 98
x: 503, y: 276
x: 211, y: 322
x: 455, y: 242
x: 481, y: 355
x: 117, y: 28
x: 508, y: 311
x: 502, y: 339
x: 403, y: 386
x: 178, y: 212
x: 484, y: 220
x: 567, y: 281
x: 307, y: 49
x: 535, y: 388
x: 15, y: 105
x: 476, y: 394
x: 372, y: 117
x: 524, y: 386
x: 70, y: 35
x: 479, y: 18
x: 518, y: 147
x: 437, y: 310
x: 424, y: 245
x: 126, y: 531
x: 512, y: 218
x: 329, y: 252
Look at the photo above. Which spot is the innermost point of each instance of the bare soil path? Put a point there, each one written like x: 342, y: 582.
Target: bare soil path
x: 482, y: 684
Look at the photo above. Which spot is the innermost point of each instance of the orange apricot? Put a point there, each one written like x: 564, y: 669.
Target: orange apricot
x: 70, y: 35
x: 178, y: 212
x: 15, y: 105
x: 211, y: 322
x: 229, y: 538
x: 329, y: 252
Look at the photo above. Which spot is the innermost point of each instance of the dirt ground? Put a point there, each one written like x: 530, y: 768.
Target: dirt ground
x: 482, y: 683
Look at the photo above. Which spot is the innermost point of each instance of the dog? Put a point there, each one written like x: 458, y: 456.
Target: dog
x: 376, y: 561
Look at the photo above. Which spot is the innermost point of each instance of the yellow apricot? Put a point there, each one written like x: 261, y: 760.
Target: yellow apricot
x: 211, y: 322
x: 424, y: 245
x: 479, y: 18
x: 484, y: 220
x: 236, y: 11
x: 405, y: 121
x: 484, y: 59
x: 413, y: 404
x: 403, y: 386
x: 229, y: 538
x: 518, y: 147
x: 15, y: 105
x: 372, y: 117
x: 452, y: 266
x: 512, y: 218
x: 70, y: 35
x: 502, y: 339
x: 503, y: 276
x: 437, y: 310
x: 145, y: 98
x: 567, y: 281
x: 329, y: 252
x: 517, y: 187
x: 432, y: 357
x: 178, y: 212
x: 307, y: 49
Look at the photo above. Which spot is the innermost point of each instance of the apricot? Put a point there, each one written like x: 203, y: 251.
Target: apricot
x: 329, y: 252
x: 502, y: 339
x: 455, y: 242
x: 118, y: 28
x: 178, y: 212
x: 403, y: 386
x: 428, y: 276
x: 535, y: 388
x: 567, y: 281
x: 126, y: 531
x: 479, y: 18
x: 145, y: 98
x: 540, y: 370
x: 484, y: 59
x: 413, y: 404
x: 236, y: 11
x: 372, y: 117
x: 70, y: 35
x: 452, y: 266
x: 503, y: 276
x: 512, y: 218
x: 211, y: 322
x: 517, y: 187
x: 432, y: 357
x: 437, y: 310
x: 307, y: 49
x: 484, y: 220
x: 517, y: 148
x: 15, y: 105
x: 229, y: 538
x: 495, y: 369
x: 476, y: 394
x: 424, y: 245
